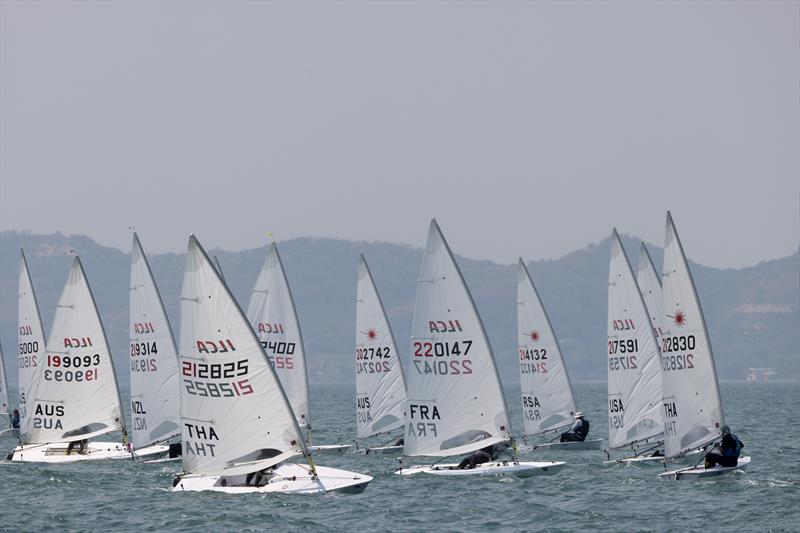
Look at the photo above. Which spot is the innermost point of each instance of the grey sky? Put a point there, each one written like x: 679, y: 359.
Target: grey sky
x: 526, y: 128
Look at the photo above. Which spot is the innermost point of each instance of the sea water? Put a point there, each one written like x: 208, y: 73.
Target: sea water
x: 586, y: 495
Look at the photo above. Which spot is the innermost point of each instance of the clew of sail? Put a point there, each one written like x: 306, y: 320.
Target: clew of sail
x: 380, y: 387
x: 634, y: 371
x: 153, y: 359
x: 235, y: 416
x: 547, y: 399
x: 30, y: 337
x: 455, y: 402
x: 272, y: 313
x: 692, y: 405
x: 75, y: 395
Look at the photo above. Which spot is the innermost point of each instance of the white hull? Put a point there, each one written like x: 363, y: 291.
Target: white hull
x: 285, y: 478
x: 329, y: 448
x: 56, y: 452
x: 521, y: 469
x: 589, y: 444
x: 151, y: 451
x: 700, y: 472
x: 381, y: 450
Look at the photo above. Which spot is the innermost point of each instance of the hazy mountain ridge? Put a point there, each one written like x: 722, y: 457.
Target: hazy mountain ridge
x: 753, y: 313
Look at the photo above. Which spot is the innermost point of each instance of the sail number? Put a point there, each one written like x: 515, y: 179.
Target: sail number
x: 680, y: 361
x: 532, y: 354
x: 373, y: 367
x: 373, y: 353
x: 624, y: 362
x: 277, y: 351
x: 190, y: 369
x: 677, y: 362
x: 27, y: 361
x: 57, y: 361
x: 28, y: 347
x: 444, y: 368
x: 678, y: 343
x: 441, y: 349
x: 623, y: 346
x: 144, y: 348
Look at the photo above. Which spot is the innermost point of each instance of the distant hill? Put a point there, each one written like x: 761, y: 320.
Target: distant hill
x: 753, y: 313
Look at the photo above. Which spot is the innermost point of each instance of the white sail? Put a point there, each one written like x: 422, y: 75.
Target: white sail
x: 455, y: 400
x: 547, y: 399
x: 75, y: 395
x: 153, y: 359
x: 273, y: 316
x: 5, y: 408
x: 650, y: 285
x: 380, y: 387
x: 634, y: 373
x: 692, y: 405
x: 234, y: 414
x: 30, y: 338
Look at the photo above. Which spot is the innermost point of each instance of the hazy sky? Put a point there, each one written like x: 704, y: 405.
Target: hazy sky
x: 526, y: 128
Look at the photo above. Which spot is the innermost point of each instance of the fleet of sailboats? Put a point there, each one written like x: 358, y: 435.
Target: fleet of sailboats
x: 231, y: 399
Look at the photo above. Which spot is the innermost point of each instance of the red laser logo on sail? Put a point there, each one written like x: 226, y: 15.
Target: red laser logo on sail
x: 534, y: 336
x: 679, y: 318
x: 371, y: 334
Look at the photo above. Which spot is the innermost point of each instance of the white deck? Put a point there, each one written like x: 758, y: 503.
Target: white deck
x: 521, y: 469
x: 285, y: 478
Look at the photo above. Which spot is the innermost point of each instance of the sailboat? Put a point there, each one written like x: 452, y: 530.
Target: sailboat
x: 693, y: 412
x: 75, y: 395
x: 238, y: 426
x: 30, y: 337
x: 153, y: 364
x: 548, y: 404
x: 5, y: 407
x: 455, y: 400
x: 635, y: 421
x: 380, y: 385
x: 273, y: 316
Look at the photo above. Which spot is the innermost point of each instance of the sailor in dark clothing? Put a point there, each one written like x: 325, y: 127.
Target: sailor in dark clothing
x: 15, y: 419
x: 578, y: 431
x: 730, y: 446
x: 484, y: 455
x: 81, y: 444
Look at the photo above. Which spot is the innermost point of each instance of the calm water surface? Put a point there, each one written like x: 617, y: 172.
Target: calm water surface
x: 122, y: 495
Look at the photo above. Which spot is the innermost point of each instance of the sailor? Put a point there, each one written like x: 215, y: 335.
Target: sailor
x: 484, y: 455
x: 81, y: 444
x: 730, y: 446
x: 15, y: 419
x: 578, y: 431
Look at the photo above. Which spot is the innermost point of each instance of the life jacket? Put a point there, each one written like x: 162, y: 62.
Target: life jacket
x: 735, y: 449
x: 583, y: 430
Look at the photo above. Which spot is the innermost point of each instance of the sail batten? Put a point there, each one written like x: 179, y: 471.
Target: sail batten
x: 692, y: 405
x: 633, y: 358
x: 455, y: 401
x: 153, y: 358
x: 380, y: 385
x: 548, y: 403
x: 235, y: 416
x: 75, y: 395
x: 273, y: 315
